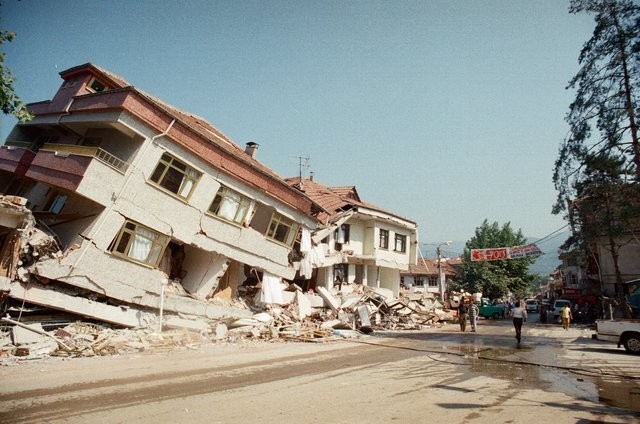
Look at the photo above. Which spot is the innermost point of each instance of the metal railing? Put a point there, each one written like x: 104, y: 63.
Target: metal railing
x: 96, y: 152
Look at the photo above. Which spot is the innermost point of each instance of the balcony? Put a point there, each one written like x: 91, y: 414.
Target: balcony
x: 16, y: 158
x: 87, y: 170
x: 94, y: 152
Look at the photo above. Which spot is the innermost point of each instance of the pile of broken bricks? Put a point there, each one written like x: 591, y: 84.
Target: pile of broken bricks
x: 350, y: 312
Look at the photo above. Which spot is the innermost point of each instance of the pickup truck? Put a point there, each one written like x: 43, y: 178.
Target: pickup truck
x: 623, y: 332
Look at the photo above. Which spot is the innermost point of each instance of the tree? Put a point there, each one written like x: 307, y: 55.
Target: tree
x: 606, y: 212
x: 495, y: 279
x: 9, y: 101
x: 597, y: 172
x: 604, y: 115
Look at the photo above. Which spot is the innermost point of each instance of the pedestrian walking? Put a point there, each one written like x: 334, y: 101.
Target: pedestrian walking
x: 519, y: 315
x: 463, y: 314
x: 567, y: 316
x: 473, y: 315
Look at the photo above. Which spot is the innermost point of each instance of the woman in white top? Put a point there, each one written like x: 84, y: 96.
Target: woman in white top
x: 519, y: 315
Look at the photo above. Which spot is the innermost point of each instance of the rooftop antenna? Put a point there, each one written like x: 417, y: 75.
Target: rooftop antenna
x: 303, y: 163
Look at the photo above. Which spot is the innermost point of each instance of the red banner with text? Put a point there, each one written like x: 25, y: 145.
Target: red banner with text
x: 503, y: 253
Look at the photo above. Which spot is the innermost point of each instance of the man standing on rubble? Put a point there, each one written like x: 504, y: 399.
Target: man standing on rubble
x: 463, y: 312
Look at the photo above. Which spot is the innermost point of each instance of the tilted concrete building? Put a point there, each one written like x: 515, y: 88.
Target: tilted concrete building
x: 137, y: 193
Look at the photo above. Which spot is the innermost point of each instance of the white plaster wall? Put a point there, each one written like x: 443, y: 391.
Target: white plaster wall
x: 188, y: 221
x: 389, y: 257
x: 369, y: 239
x: 97, y: 270
x: 372, y: 276
x: 100, y: 183
x: 202, y: 269
x: 356, y: 237
x: 37, y: 196
x: 68, y: 232
x: 390, y: 279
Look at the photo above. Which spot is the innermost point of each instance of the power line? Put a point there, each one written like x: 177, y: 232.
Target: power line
x: 550, y: 234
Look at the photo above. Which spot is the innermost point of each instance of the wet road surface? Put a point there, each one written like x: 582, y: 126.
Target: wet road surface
x: 437, y: 374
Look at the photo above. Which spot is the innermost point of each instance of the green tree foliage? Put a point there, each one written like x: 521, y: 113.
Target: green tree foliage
x: 603, y: 117
x: 597, y: 172
x: 9, y: 101
x: 606, y: 210
x: 495, y: 279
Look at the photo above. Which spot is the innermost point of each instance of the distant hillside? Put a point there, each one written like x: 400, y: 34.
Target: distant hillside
x: 543, y: 266
x: 548, y: 262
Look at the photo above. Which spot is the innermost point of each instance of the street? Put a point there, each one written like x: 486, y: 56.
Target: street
x: 438, y: 374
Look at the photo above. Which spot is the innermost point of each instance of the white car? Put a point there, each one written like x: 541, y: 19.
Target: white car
x: 532, y: 305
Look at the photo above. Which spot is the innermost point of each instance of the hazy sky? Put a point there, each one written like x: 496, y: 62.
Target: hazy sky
x: 446, y: 112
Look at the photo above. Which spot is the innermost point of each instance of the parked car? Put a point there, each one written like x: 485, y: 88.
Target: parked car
x: 487, y: 310
x: 623, y: 332
x: 532, y: 305
x: 557, y: 309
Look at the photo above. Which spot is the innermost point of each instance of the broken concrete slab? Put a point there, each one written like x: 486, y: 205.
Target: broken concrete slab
x: 363, y: 314
x: 47, y: 296
x: 27, y: 334
x: 329, y: 298
x: 304, y: 306
x: 174, y: 322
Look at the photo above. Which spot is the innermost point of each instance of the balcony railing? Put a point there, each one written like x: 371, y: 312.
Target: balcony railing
x: 96, y: 152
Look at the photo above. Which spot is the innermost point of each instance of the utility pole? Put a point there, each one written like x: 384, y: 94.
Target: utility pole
x: 441, y: 276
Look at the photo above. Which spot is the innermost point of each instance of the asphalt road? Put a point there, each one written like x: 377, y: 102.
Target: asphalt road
x: 438, y: 374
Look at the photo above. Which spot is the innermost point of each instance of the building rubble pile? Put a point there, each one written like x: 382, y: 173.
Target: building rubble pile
x: 345, y: 311
x: 353, y: 311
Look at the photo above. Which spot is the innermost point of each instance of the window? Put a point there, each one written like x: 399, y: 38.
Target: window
x: 139, y: 243
x: 384, y: 239
x: 55, y: 203
x: 96, y: 86
x: 401, y: 243
x: 432, y: 281
x: 340, y: 273
x: 342, y: 234
x: 282, y: 229
x: 175, y: 176
x: 230, y: 205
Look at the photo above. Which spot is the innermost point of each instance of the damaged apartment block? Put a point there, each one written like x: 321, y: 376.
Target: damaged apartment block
x: 154, y: 211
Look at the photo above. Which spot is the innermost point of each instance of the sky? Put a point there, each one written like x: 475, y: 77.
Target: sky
x: 446, y: 112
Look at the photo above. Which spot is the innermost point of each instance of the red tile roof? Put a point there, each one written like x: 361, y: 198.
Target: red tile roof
x: 430, y: 267
x: 204, y: 130
x: 334, y: 199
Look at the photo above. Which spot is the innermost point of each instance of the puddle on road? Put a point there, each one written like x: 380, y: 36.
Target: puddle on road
x: 507, y: 364
x: 621, y: 393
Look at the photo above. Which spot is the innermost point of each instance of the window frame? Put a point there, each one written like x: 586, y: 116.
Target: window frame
x: 276, y: 223
x: 127, y: 234
x: 170, y: 165
x: 383, y: 241
x: 402, y: 239
x: 93, y: 80
x: 346, y: 233
x: 243, y: 205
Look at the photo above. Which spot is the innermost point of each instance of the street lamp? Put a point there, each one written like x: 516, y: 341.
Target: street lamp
x: 441, y: 277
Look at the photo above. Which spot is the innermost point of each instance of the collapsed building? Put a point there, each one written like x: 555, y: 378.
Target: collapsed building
x: 154, y: 211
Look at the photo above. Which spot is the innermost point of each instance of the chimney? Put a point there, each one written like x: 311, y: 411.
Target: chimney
x: 251, y: 149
